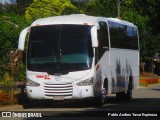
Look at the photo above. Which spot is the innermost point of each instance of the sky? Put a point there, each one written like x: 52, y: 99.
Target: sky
x: 8, y: 1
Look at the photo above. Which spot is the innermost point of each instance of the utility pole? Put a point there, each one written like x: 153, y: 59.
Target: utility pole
x: 119, y: 5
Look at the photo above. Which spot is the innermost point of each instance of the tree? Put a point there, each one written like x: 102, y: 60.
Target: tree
x: 150, y: 8
x: 45, y: 8
x: 17, y: 8
x: 105, y: 8
x: 10, y: 26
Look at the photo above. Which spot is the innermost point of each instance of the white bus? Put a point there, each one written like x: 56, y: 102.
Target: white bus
x: 79, y: 56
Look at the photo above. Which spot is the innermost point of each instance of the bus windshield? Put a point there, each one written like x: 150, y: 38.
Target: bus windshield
x: 59, y: 48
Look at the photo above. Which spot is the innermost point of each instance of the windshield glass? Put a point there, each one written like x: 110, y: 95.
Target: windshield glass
x: 59, y: 48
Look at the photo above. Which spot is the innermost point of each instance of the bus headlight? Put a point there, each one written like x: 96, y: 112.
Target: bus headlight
x: 85, y: 82
x: 32, y: 83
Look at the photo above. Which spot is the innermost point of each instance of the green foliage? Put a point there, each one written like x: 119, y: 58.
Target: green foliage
x: 150, y: 44
x: 46, y: 8
x: 3, y: 61
x: 18, y: 8
x: 106, y: 8
x: 21, y: 72
x: 150, y: 8
x: 10, y: 26
x: 7, y: 82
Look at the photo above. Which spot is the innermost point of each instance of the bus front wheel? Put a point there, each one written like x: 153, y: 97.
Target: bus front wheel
x: 102, y: 98
x: 99, y: 101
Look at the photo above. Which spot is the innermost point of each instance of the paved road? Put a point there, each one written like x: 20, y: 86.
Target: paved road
x: 144, y: 99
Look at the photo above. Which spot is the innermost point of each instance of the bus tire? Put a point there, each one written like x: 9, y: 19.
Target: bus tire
x: 102, y: 98
x: 99, y: 101
x: 128, y: 95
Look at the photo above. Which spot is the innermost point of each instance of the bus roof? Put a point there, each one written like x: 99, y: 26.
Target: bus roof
x: 76, y: 19
x: 66, y: 19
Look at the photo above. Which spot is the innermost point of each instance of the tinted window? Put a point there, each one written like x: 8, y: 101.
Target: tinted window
x: 102, y: 39
x: 123, y: 36
x: 43, y: 42
x: 59, y: 47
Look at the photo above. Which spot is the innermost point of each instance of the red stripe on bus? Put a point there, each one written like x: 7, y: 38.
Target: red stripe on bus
x: 97, y: 67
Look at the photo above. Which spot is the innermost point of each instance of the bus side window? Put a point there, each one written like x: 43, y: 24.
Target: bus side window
x: 123, y: 36
x: 102, y: 39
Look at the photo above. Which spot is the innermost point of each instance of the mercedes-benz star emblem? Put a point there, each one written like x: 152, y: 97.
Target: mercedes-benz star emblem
x: 57, y: 78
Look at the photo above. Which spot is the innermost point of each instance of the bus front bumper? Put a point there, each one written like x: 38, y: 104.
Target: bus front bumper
x: 64, y: 91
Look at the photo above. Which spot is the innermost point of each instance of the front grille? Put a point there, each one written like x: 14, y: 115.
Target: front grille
x: 64, y: 89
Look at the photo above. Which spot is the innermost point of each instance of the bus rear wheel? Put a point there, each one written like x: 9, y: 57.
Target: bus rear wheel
x: 128, y: 95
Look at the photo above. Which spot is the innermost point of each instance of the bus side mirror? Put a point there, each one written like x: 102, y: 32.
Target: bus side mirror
x: 94, y: 36
x: 22, y: 38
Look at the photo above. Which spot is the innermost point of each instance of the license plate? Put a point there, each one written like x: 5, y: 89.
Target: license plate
x: 58, y: 98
